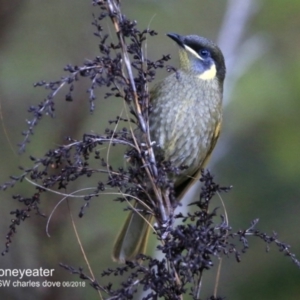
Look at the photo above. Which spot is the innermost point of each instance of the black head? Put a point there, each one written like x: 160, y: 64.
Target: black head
x: 200, y: 56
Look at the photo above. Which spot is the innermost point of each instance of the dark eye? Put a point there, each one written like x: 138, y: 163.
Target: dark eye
x: 204, y: 53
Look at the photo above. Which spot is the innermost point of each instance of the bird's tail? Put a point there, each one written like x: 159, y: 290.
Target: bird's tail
x: 132, y: 240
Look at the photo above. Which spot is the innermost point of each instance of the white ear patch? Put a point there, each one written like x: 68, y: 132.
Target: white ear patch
x: 209, y: 74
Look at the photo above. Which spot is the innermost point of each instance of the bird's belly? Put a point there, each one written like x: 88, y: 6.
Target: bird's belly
x: 185, y: 133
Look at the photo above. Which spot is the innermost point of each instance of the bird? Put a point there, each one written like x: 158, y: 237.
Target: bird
x: 185, y: 122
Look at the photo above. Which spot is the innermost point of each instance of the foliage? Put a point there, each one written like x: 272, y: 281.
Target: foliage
x: 187, y: 249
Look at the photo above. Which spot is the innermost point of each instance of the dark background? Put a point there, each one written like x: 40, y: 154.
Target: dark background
x: 258, y: 152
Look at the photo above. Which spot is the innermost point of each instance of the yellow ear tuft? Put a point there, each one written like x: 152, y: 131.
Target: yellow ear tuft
x: 209, y: 74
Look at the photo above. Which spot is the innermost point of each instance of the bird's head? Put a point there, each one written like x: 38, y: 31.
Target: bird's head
x: 200, y: 56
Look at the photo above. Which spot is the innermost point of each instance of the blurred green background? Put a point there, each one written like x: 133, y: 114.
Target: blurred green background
x: 258, y: 153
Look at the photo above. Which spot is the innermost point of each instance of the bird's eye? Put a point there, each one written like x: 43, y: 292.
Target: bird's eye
x: 204, y: 53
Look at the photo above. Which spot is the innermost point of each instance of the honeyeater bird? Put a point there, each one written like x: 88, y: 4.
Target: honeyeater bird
x: 185, y: 121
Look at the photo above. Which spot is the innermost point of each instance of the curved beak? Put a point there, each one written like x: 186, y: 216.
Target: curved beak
x: 177, y: 38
